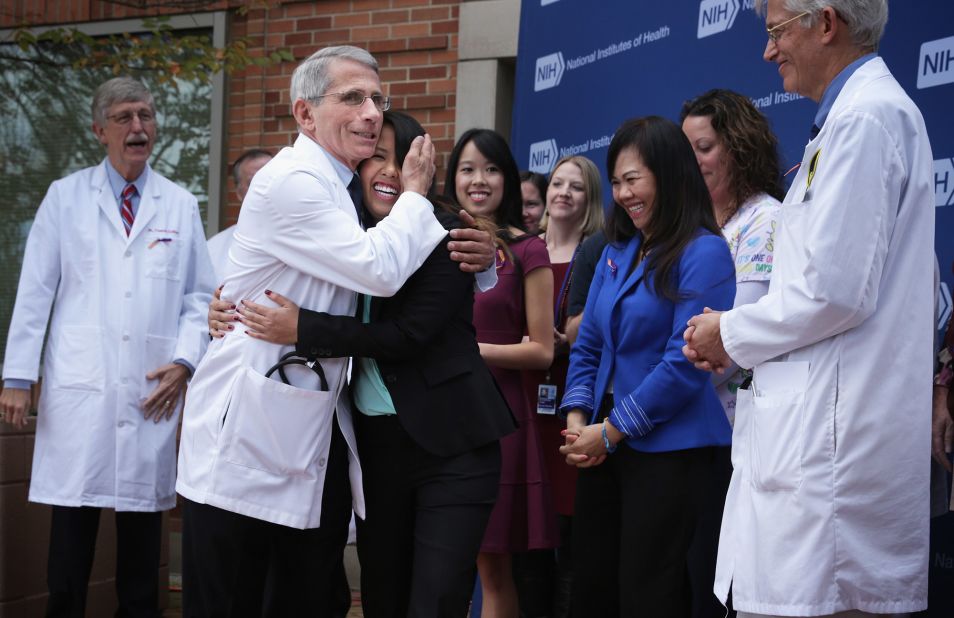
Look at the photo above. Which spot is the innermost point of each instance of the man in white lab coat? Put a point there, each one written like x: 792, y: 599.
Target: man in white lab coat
x: 261, y: 459
x: 827, y: 510
x: 119, y: 253
x: 243, y: 170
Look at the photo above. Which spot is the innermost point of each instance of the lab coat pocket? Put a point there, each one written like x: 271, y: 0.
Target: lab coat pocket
x: 776, y: 425
x: 162, y: 258
x: 159, y: 352
x: 75, y: 358
x: 275, y: 427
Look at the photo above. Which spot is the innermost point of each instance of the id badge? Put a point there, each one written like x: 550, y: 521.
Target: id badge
x: 546, y: 399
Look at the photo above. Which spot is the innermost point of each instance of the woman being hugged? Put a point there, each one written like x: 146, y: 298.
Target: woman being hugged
x: 482, y: 177
x: 641, y: 420
x: 429, y: 416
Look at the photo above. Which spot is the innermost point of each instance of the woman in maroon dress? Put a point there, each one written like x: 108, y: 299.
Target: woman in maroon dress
x: 483, y: 178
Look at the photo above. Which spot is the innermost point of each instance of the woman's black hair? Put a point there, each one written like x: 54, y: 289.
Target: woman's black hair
x: 682, y: 204
x: 494, y: 147
x: 406, y: 128
x: 538, y: 180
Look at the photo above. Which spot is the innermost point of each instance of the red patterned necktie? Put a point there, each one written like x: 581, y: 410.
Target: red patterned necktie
x: 126, y: 210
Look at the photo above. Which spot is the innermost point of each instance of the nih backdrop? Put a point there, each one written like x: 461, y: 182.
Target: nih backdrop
x: 584, y: 66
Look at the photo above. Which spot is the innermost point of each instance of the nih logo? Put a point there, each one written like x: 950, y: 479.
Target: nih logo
x: 549, y: 72
x: 936, y: 63
x: 543, y: 156
x: 716, y: 16
x: 944, y: 182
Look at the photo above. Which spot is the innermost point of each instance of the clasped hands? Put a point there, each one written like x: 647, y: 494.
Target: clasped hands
x: 584, y: 446
x: 704, y: 342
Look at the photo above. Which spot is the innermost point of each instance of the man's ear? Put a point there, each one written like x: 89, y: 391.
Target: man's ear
x: 829, y: 24
x: 100, y: 133
x: 304, y: 115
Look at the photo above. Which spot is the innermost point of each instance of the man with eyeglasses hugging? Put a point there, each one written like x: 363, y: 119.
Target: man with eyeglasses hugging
x: 119, y: 253
x: 827, y: 510
x: 274, y: 461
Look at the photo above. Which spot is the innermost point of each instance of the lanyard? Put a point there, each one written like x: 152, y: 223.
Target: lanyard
x: 559, y: 307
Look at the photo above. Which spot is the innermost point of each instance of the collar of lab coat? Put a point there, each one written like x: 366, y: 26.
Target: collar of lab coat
x: 309, y: 151
x: 871, y: 70
x: 151, y: 194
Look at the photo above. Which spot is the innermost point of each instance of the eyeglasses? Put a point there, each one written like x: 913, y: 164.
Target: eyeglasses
x: 145, y: 117
x: 778, y: 31
x: 356, y: 98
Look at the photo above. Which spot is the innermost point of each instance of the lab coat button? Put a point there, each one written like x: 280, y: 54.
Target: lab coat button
x: 125, y: 337
x: 128, y: 294
x: 128, y: 254
x: 322, y: 462
x: 121, y: 424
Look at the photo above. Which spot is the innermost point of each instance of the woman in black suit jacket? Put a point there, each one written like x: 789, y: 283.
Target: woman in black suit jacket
x: 431, y: 468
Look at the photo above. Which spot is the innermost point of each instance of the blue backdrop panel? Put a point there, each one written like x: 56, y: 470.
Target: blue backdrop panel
x: 584, y: 66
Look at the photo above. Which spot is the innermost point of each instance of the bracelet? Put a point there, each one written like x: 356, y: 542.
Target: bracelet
x: 610, y: 448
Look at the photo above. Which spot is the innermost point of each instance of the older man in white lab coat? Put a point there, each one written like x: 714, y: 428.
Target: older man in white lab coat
x: 262, y: 459
x: 119, y: 253
x: 827, y: 510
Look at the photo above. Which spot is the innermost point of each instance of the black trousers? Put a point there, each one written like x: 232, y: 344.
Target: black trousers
x: 636, y: 516
x: 72, y: 545
x: 705, y: 543
x: 426, y: 517
x: 223, y: 570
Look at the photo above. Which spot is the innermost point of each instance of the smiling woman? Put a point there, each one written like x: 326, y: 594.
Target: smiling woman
x: 643, y: 425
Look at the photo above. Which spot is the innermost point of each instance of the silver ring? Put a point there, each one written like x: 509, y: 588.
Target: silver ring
x: 168, y: 403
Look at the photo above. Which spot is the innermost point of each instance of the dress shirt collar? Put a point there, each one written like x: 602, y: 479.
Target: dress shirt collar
x: 117, y: 183
x: 834, y: 88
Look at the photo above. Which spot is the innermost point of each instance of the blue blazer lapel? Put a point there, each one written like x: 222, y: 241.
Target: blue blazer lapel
x: 627, y: 282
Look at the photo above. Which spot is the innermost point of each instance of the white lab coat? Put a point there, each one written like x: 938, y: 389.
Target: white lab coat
x: 122, y: 307
x: 253, y: 445
x: 827, y: 509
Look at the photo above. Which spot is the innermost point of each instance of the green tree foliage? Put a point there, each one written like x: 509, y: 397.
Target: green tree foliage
x: 156, y: 49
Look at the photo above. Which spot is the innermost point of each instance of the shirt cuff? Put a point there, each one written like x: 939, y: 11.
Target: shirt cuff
x: 486, y: 279
x: 22, y: 384
x: 577, y: 398
x: 186, y: 364
x: 630, y: 418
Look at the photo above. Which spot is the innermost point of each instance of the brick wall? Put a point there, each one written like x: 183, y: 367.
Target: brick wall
x: 415, y: 42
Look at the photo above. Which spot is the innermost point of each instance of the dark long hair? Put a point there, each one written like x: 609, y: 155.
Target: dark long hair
x: 682, y: 205
x: 494, y: 147
x: 748, y: 140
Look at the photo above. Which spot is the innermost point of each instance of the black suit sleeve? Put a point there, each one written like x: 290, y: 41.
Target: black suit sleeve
x: 426, y: 304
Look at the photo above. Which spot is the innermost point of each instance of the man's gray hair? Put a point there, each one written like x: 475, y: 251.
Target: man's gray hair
x: 310, y: 80
x: 119, y: 90
x: 865, y: 18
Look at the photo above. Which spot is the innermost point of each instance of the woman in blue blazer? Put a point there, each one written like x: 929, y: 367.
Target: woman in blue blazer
x: 643, y: 424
